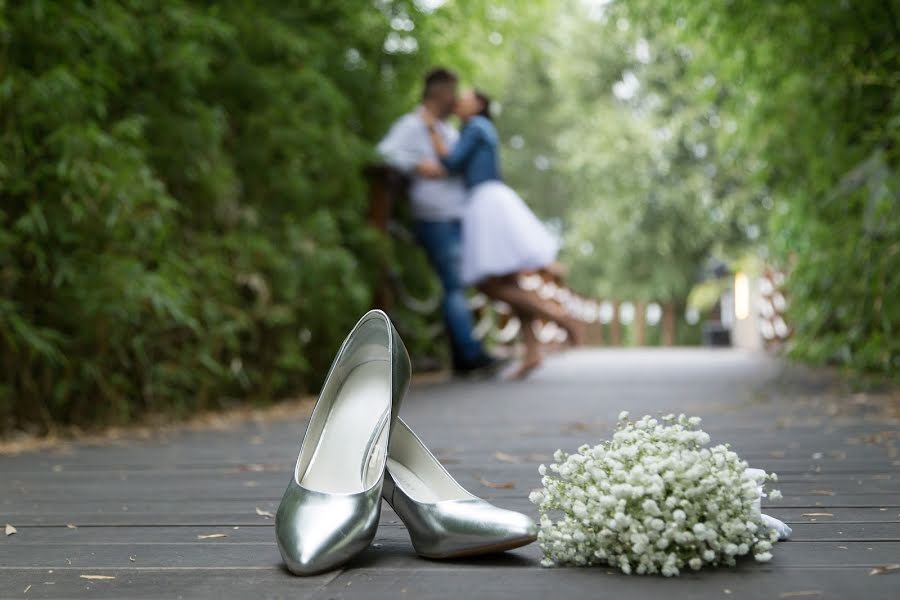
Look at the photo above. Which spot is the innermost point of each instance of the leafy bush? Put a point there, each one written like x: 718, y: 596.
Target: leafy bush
x: 813, y: 89
x: 180, y: 217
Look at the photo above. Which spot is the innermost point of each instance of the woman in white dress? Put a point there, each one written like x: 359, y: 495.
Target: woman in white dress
x: 502, y: 238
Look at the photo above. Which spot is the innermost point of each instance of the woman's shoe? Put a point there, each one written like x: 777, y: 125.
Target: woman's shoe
x: 443, y: 519
x: 331, y: 507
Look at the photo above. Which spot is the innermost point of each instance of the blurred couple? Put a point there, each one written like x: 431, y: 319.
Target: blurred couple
x: 475, y: 229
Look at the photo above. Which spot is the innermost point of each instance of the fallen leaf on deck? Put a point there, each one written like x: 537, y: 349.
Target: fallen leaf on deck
x: 97, y: 576
x: 264, y: 513
x: 777, y: 453
x: 256, y: 468
x: 506, y: 485
x: 885, y: 569
x: 576, y: 426
x: 211, y: 536
x: 817, y: 515
x: 10, y: 530
x: 504, y: 457
x: 539, y: 457
x: 71, y: 526
x: 800, y: 594
x: 822, y: 493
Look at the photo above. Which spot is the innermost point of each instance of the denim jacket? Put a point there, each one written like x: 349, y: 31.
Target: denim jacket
x: 475, y: 155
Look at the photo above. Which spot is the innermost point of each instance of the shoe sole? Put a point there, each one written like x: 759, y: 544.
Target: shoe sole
x: 481, y: 550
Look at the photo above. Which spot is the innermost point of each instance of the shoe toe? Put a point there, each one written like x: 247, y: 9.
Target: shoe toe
x: 522, y: 527
x: 513, y: 526
x: 472, y: 527
x: 319, y: 532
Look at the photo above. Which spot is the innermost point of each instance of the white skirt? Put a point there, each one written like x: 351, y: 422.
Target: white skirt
x: 501, y: 235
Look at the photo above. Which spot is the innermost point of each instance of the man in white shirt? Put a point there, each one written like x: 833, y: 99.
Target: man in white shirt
x: 437, y: 204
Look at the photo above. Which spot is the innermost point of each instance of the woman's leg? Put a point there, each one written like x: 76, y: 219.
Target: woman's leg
x: 525, y: 302
x: 532, y: 358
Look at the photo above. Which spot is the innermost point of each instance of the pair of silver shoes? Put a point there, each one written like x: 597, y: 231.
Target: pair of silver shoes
x: 357, y: 450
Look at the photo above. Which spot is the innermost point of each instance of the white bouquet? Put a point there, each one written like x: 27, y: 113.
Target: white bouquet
x: 654, y: 499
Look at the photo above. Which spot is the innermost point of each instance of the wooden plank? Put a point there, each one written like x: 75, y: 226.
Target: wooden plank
x: 231, y: 513
x: 151, y: 499
x: 222, y: 582
x: 507, y: 583
x: 392, y: 549
x: 263, y: 533
x: 515, y: 584
x: 102, y: 495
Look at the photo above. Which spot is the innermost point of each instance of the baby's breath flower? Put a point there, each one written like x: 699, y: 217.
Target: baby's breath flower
x: 654, y: 499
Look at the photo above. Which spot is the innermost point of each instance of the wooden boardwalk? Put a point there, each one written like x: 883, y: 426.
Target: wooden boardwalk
x: 178, y: 517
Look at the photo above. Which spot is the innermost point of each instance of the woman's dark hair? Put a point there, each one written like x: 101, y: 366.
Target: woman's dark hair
x: 486, y: 104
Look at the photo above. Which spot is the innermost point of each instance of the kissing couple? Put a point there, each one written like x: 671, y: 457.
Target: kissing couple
x: 475, y: 229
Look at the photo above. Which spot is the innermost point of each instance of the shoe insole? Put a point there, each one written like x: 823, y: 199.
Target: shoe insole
x: 412, y: 484
x: 338, y: 465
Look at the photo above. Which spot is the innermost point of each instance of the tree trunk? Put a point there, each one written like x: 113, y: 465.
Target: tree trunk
x: 640, y: 323
x: 380, y: 208
x: 668, y: 332
x: 615, y: 328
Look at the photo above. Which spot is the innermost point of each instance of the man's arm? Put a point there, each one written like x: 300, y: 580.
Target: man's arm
x: 399, y: 148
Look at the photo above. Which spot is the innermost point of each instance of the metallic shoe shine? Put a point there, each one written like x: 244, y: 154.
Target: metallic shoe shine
x: 443, y: 519
x: 330, y: 509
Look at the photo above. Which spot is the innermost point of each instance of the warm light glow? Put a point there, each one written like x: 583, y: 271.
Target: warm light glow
x: 741, y: 296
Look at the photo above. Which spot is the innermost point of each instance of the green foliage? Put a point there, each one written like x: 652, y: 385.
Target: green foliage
x: 813, y: 87
x: 177, y: 223
x: 182, y: 211
x: 182, y: 207
x: 624, y: 155
x: 763, y: 127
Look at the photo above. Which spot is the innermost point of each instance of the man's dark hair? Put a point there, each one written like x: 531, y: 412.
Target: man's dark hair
x: 436, y: 78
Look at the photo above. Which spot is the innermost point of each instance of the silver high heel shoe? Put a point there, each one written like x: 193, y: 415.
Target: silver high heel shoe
x: 331, y: 507
x: 443, y: 519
